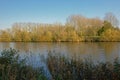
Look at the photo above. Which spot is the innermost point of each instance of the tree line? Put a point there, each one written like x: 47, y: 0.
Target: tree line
x: 77, y: 28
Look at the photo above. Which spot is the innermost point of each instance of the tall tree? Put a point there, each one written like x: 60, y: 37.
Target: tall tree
x: 110, y: 17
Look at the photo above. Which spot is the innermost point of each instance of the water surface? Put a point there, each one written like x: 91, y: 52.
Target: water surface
x: 100, y: 51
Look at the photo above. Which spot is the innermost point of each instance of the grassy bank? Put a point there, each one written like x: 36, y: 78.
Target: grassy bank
x: 63, y: 69
x: 12, y: 67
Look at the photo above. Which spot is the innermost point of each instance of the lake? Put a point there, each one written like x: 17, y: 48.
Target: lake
x: 36, y: 53
x: 97, y: 51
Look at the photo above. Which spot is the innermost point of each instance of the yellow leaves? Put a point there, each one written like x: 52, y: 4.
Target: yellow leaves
x: 54, y: 32
x: 5, y: 36
x: 110, y: 35
x: 47, y: 36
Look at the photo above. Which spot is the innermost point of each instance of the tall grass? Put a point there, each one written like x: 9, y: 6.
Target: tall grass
x: 12, y: 67
x: 64, y: 69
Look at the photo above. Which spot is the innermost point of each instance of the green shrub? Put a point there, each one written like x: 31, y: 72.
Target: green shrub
x: 12, y: 67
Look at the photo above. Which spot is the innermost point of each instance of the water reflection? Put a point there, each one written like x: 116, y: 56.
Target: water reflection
x: 4, y: 45
x: 101, y: 51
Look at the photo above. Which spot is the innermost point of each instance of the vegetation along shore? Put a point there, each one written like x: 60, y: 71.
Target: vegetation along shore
x: 77, y: 28
x: 12, y: 67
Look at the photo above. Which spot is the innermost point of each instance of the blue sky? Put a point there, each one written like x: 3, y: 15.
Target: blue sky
x: 51, y: 11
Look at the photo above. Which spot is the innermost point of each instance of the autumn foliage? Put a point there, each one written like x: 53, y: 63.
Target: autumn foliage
x: 77, y: 28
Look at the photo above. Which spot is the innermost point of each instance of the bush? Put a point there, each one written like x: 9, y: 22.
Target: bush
x: 12, y: 67
x: 64, y: 69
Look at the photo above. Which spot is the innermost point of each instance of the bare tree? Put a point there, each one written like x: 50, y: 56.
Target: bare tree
x: 77, y: 21
x: 110, y: 17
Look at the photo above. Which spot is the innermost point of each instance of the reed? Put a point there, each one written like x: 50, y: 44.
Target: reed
x: 12, y: 67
